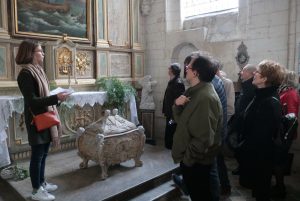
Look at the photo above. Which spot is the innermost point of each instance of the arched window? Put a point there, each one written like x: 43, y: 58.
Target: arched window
x: 193, y: 8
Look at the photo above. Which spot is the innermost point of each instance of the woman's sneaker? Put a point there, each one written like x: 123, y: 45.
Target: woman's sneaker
x: 49, y: 187
x: 42, y: 195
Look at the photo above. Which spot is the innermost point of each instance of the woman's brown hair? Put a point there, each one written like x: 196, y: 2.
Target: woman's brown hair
x: 26, y: 51
x: 273, y: 71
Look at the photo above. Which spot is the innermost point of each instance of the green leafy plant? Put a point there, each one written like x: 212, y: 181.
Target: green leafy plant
x: 117, y: 92
x: 14, y: 172
x: 20, y: 173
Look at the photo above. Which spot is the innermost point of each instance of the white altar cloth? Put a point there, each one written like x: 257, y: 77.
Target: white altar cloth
x: 8, y: 105
x: 86, y: 97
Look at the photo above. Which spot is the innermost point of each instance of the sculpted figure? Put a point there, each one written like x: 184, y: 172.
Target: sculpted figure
x: 145, y: 7
x: 147, y: 100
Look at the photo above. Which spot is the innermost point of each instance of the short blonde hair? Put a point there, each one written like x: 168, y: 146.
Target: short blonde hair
x: 290, y: 79
x: 273, y: 71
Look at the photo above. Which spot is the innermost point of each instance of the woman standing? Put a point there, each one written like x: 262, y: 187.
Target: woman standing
x: 289, y: 99
x: 34, y: 86
x: 174, y: 89
x: 260, y: 125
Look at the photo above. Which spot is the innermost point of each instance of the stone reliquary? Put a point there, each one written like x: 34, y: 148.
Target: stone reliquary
x: 109, y: 141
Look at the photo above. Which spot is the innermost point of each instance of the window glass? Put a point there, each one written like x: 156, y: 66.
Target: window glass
x: 193, y: 8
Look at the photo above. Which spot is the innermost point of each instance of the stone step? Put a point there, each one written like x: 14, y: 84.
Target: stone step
x: 8, y: 193
x: 164, y: 192
x: 144, y: 187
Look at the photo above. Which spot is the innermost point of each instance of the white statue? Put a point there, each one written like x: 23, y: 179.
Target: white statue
x: 147, y: 100
x: 145, y: 6
x: 116, y: 124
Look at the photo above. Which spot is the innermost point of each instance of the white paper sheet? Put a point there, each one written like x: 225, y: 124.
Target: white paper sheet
x: 59, y: 90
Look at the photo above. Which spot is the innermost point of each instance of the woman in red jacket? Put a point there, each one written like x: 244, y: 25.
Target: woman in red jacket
x: 289, y: 99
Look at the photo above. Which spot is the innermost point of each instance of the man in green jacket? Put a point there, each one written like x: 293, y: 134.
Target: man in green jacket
x: 197, y: 139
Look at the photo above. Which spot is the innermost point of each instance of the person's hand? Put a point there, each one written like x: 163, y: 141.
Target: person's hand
x: 62, y: 96
x: 182, y: 100
x: 56, y: 142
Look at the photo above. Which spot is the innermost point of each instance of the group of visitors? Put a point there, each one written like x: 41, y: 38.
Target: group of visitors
x: 200, y: 116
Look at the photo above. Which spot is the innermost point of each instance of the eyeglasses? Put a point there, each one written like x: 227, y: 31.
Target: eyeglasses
x: 188, y: 67
x: 41, y: 51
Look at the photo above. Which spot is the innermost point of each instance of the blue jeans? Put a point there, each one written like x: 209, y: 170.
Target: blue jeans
x: 37, y: 164
x: 214, y: 182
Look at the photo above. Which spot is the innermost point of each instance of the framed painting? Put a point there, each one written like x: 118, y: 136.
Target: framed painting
x: 52, y: 18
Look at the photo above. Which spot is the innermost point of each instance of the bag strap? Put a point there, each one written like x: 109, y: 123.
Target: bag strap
x: 31, y: 112
x: 34, y: 114
x: 286, y: 134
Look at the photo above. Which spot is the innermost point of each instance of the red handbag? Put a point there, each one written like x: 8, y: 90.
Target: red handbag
x: 45, y: 120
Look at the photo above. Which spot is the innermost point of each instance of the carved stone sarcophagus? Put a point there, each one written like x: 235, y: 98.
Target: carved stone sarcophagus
x: 109, y: 141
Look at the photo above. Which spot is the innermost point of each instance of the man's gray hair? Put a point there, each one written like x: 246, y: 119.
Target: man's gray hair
x: 250, y: 68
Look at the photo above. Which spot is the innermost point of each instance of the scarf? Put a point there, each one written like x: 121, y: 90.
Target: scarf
x: 43, y: 85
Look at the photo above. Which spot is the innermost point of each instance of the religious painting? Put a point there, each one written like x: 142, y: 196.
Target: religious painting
x: 118, y: 23
x: 52, y: 18
x: 120, y: 64
x: 138, y: 65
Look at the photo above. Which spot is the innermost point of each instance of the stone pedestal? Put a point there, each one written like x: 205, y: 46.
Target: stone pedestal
x: 147, y: 120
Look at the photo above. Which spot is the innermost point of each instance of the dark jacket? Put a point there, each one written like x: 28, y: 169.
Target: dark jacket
x: 260, y: 124
x: 247, y: 94
x: 174, y: 89
x: 199, y: 122
x: 32, y: 100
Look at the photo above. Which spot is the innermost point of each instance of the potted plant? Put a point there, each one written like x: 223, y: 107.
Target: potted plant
x: 117, y: 92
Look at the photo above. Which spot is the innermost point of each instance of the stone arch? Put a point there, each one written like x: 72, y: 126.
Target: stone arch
x: 178, y: 50
x: 181, y: 51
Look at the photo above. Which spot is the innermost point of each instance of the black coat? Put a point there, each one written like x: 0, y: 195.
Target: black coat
x: 29, y: 88
x: 247, y: 94
x: 260, y: 125
x: 174, y: 89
